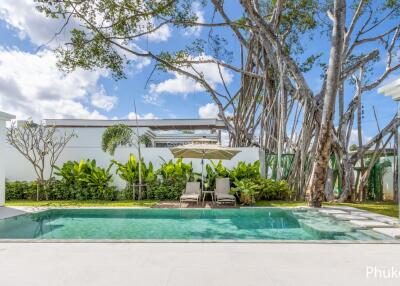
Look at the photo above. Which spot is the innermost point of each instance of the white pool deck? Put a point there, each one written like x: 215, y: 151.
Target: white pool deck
x: 176, y: 264
x: 159, y: 264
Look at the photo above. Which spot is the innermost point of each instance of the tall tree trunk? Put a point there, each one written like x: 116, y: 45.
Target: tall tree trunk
x: 282, y: 119
x: 323, y: 150
x: 396, y: 166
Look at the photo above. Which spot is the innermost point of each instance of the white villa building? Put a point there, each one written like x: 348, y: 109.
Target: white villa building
x: 161, y: 132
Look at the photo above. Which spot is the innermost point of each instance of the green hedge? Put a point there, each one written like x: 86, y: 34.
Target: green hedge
x: 21, y: 190
x: 58, y: 190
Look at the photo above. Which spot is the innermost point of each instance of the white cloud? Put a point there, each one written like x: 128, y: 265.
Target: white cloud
x: 101, y: 100
x: 178, y: 84
x: 31, y: 86
x: 132, y: 116
x: 30, y: 23
x: 160, y: 35
x: 210, y: 110
x: 183, y: 84
x: 354, y: 137
x: 195, y: 30
x: 153, y: 99
x: 23, y: 16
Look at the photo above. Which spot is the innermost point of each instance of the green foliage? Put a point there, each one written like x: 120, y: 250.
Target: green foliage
x: 178, y: 171
x: 167, y: 190
x: 250, y: 190
x: 145, y: 140
x: 214, y: 171
x: 353, y: 147
x: 85, y: 180
x: 246, y: 190
x: 245, y: 171
x: 129, y: 172
x: 107, y: 46
x: 21, y: 190
x: 114, y: 136
x: 273, y: 190
x: 375, y: 179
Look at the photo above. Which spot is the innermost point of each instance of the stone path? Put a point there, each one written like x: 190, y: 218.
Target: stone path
x: 365, y: 220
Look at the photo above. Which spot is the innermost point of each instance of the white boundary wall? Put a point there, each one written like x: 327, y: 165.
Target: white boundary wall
x: 19, y: 169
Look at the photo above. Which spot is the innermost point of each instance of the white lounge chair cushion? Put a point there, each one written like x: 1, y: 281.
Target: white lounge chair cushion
x: 225, y: 197
x: 190, y: 197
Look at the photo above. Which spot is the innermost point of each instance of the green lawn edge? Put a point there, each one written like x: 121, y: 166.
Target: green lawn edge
x: 88, y: 203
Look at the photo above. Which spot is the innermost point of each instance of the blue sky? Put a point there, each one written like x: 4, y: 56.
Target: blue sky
x: 31, y: 85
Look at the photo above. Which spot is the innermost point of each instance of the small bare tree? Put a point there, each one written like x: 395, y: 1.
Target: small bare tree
x: 39, y: 144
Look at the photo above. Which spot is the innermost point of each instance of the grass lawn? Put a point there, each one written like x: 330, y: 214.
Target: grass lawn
x: 143, y: 203
x: 385, y: 208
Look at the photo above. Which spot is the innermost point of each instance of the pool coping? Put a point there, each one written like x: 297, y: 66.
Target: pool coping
x: 187, y: 241
x: 29, y: 210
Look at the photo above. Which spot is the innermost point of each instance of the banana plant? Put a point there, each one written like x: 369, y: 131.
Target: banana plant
x: 85, y: 174
x: 129, y: 172
x: 245, y: 171
x: 176, y: 171
x: 213, y: 171
x: 246, y: 190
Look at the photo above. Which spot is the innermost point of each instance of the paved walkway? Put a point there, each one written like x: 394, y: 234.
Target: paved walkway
x: 186, y: 264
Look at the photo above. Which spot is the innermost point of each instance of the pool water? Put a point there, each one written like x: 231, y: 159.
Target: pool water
x: 186, y: 224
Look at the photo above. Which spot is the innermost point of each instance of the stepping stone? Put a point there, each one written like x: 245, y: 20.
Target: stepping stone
x: 362, y: 224
x: 381, y: 218
x: 392, y: 231
x: 331, y: 212
x: 371, y: 215
x: 388, y: 220
x: 344, y: 208
x: 349, y: 217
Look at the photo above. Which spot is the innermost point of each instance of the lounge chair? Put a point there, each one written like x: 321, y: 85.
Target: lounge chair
x: 191, y: 193
x: 222, y: 189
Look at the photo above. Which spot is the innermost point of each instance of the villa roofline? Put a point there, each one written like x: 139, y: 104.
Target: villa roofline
x: 391, y: 89
x: 6, y: 116
x: 155, y: 124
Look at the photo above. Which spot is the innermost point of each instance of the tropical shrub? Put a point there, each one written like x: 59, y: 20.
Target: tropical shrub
x: 21, y: 190
x: 178, y: 171
x: 250, y: 190
x: 167, y: 190
x: 273, y: 190
x: 245, y: 171
x: 215, y: 171
x: 129, y: 172
x: 85, y: 180
x: 246, y: 190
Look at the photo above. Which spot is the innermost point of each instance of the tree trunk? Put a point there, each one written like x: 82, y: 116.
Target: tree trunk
x: 282, y: 119
x: 347, y: 183
x: 395, y: 166
x: 329, y: 185
x: 323, y: 150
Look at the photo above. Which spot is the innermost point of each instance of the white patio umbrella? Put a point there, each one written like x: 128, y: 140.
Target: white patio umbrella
x: 204, y: 149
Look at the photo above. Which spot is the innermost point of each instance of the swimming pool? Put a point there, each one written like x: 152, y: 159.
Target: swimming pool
x: 182, y: 224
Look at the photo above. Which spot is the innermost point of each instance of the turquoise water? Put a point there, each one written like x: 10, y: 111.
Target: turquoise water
x: 187, y: 224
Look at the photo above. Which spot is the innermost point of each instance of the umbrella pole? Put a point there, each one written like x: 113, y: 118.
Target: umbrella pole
x: 202, y: 176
